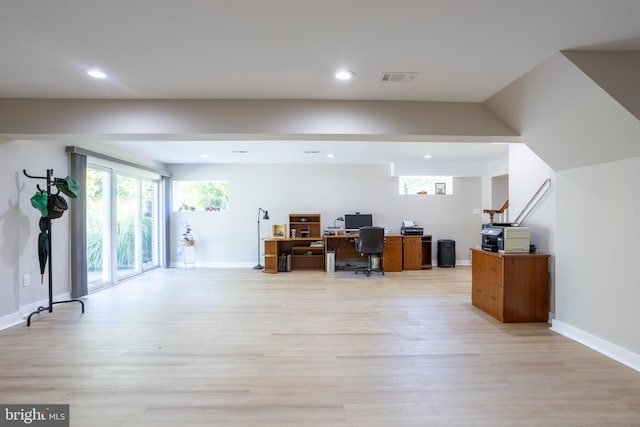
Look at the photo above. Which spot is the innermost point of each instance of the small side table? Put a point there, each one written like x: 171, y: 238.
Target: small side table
x: 189, y: 253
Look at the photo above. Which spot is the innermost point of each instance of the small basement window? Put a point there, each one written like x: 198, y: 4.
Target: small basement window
x: 200, y: 196
x: 426, y: 185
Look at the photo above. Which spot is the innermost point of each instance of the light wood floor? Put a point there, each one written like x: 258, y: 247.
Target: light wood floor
x: 217, y: 347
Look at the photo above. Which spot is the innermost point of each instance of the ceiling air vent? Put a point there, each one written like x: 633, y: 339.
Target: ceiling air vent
x: 398, y: 77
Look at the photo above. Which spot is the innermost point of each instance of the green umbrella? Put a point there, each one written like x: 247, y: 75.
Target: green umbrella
x: 43, y: 246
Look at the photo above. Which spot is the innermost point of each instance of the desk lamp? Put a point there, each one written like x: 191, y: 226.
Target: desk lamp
x: 337, y: 219
x: 265, y: 216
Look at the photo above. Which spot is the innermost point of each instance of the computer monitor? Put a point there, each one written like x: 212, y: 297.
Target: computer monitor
x: 356, y: 221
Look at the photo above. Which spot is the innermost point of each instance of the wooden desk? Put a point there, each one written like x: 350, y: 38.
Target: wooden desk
x: 512, y: 287
x: 345, y: 249
x: 400, y: 252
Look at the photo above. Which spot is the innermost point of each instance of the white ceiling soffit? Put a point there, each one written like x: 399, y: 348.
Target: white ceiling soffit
x: 569, y: 115
x: 341, y: 152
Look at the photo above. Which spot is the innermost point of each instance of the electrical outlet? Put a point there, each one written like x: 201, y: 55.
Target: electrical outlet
x: 26, y: 280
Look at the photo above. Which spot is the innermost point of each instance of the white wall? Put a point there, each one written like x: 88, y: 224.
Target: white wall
x: 565, y: 117
x: 19, y: 255
x: 598, y: 235
x: 590, y: 224
x: 499, y: 191
x: 230, y: 238
x: 527, y: 173
x: 10, y: 244
x: 616, y: 72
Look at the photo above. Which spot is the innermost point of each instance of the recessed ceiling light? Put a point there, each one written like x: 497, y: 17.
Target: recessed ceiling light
x: 204, y: 155
x: 331, y: 155
x: 239, y: 151
x: 96, y: 74
x: 427, y: 156
x: 345, y: 75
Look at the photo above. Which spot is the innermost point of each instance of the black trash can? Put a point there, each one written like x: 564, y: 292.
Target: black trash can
x: 446, y: 253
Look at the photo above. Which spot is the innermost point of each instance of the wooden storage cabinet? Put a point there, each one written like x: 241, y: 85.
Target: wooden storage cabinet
x: 411, y: 252
x: 511, y: 287
x: 416, y: 252
x: 271, y: 256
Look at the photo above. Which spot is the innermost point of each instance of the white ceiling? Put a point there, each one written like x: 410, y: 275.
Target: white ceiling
x: 350, y: 152
x: 462, y: 50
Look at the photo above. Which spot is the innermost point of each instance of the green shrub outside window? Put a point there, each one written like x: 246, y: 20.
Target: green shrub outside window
x: 203, y: 196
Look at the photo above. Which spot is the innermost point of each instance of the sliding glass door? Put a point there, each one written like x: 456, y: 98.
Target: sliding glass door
x: 150, y: 223
x: 127, y: 225
x: 98, y: 195
x: 122, y: 225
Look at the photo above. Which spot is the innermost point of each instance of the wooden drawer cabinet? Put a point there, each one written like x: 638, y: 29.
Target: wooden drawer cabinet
x: 487, y: 268
x: 511, y: 287
x: 392, y: 255
x: 488, y: 297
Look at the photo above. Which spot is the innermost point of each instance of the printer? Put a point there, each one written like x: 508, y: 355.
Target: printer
x: 409, y: 228
x: 504, y: 237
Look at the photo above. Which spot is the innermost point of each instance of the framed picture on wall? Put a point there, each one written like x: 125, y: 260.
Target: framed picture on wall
x: 279, y: 230
x: 441, y: 188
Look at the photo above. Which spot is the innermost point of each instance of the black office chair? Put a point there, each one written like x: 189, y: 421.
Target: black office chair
x: 370, y: 242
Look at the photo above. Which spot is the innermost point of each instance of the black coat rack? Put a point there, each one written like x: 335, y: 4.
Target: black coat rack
x: 50, y: 181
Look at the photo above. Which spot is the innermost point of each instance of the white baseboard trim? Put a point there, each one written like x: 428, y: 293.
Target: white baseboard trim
x: 607, y: 348
x: 459, y: 262
x: 178, y: 264
x: 10, y: 320
x: 21, y: 316
x: 212, y: 265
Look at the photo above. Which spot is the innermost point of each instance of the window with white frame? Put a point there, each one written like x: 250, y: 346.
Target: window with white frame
x: 210, y: 196
x: 425, y: 185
